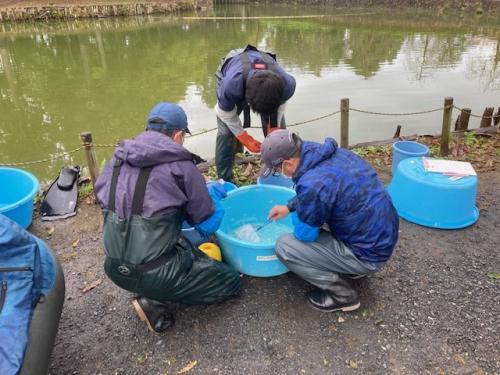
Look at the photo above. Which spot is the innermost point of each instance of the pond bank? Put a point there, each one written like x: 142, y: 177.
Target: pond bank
x: 17, y: 10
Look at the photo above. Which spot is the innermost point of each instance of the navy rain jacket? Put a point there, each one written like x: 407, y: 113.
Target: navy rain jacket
x: 336, y: 187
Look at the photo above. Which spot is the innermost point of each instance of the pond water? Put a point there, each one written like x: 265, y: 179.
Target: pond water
x: 58, y: 79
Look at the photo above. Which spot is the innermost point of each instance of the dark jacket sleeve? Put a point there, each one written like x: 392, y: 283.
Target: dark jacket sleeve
x: 199, y: 205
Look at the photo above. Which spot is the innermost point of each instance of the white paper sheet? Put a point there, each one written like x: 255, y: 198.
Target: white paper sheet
x: 449, y: 167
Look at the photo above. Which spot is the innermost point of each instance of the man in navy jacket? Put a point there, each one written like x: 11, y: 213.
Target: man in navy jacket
x: 339, y: 191
x: 248, y: 79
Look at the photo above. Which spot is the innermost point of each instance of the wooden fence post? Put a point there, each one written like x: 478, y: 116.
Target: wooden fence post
x: 463, y: 119
x: 86, y: 138
x: 397, y: 134
x: 496, y: 118
x: 487, y: 117
x: 445, y: 132
x: 344, y: 122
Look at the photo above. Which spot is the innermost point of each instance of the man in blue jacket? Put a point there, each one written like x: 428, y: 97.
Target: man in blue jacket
x: 248, y: 79
x: 146, y: 190
x: 340, y: 192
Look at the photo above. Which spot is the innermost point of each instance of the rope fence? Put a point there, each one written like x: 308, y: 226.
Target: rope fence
x: 395, y: 114
x: 447, y: 109
x: 56, y: 156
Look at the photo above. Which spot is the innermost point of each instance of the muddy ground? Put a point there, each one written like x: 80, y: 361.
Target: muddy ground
x: 432, y: 310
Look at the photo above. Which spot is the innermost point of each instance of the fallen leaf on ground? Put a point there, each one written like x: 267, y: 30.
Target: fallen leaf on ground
x: 489, y: 163
x: 91, y: 286
x: 248, y: 170
x: 459, y: 359
x: 493, y: 275
x: 341, y: 320
x: 50, y: 231
x: 75, y: 243
x: 353, y: 364
x: 188, y: 367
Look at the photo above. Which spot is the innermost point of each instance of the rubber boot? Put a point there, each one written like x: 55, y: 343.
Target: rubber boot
x: 155, y: 314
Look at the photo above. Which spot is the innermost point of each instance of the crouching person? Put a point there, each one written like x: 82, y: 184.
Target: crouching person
x: 146, y: 190
x: 337, y: 189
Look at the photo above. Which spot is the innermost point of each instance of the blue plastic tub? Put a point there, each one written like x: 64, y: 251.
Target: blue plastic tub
x: 17, y: 190
x: 276, y: 179
x: 191, y: 233
x: 251, y: 205
x: 406, y: 149
x: 431, y: 199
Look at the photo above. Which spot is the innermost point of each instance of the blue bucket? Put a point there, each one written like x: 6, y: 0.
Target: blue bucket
x: 251, y: 205
x: 432, y: 199
x: 195, y: 237
x: 17, y: 190
x: 276, y: 179
x: 406, y: 149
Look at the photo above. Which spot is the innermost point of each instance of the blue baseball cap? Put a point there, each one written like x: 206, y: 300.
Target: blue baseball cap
x: 167, y: 116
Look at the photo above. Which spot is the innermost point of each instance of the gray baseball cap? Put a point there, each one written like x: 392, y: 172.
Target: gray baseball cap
x: 278, y: 146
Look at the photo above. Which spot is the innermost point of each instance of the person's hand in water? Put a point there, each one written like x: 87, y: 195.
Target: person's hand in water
x: 278, y: 212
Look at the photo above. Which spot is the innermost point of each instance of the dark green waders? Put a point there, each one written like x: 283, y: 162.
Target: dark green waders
x: 148, y: 256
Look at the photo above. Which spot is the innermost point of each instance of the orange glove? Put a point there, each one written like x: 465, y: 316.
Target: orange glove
x: 249, y: 142
x: 271, y: 129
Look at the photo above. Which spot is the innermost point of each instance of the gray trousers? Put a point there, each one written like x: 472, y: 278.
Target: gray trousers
x: 323, y: 262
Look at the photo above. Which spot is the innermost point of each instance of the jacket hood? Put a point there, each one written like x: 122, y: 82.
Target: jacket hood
x: 312, y: 154
x: 151, y: 148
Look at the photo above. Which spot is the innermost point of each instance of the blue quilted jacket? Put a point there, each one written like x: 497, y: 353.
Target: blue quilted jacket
x: 336, y: 187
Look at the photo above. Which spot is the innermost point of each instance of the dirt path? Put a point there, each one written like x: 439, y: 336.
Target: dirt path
x: 432, y: 310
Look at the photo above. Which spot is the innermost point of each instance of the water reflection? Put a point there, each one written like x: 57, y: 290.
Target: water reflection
x: 59, y: 79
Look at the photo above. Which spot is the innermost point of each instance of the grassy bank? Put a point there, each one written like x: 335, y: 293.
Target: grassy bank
x: 42, y: 10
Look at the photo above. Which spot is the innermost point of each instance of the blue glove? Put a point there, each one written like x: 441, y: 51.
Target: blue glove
x: 212, y: 223
x: 303, y: 231
x: 216, y: 190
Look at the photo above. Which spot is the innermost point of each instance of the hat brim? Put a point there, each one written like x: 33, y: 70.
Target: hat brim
x: 156, y: 126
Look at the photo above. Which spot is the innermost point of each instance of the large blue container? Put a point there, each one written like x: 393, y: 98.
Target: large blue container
x: 276, y: 179
x: 250, y: 205
x: 406, y: 149
x: 17, y: 190
x: 195, y: 237
x: 432, y: 199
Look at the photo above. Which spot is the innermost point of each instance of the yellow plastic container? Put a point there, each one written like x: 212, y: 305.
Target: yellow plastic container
x: 212, y: 250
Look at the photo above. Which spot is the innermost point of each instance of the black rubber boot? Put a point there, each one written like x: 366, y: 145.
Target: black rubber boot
x: 326, y: 301
x: 156, y: 314
x: 339, y: 296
